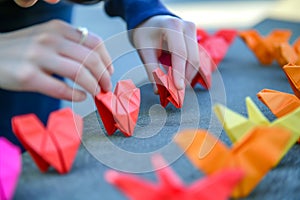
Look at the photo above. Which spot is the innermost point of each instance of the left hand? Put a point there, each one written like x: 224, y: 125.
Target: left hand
x: 164, y: 32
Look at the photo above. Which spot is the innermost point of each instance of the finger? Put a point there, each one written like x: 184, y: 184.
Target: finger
x: 95, y: 43
x: 193, y: 59
x: 48, y: 85
x: 71, y: 69
x: 105, y: 58
x: 149, y: 58
x: 89, y: 59
x: 177, y: 48
x: 92, y: 42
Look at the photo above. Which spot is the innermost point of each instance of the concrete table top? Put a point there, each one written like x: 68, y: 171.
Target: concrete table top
x: 238, y: 76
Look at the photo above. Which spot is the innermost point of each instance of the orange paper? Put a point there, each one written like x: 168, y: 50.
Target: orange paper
x: 119, y: 110
x: 292, y: 72
x: 256, y: 153
x: 55, y: 145
x: 286, y: 53
x: 264, y: 48
x: 167, y: 89
x: 281, y: 103
x: 217, y: 186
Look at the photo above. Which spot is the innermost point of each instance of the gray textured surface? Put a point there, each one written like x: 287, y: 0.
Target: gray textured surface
x: 242, y: 76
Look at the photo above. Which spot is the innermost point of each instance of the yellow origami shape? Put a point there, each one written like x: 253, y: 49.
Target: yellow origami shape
x: 255, y: 154
x: 236, y: 125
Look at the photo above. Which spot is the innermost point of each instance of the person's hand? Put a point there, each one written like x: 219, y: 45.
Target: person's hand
x: 29, y: 57
x: 175, y: 35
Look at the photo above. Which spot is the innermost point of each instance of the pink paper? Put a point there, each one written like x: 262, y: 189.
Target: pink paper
x: 10, y: 168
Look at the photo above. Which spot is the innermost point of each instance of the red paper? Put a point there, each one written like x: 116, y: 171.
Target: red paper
x: 10, y: 168
x: 167, y: 89
x: 119, y: 110
x: 217, y: 186
x: 216, y: 44
x: 55, y: 145
x: 203, y: 77
x: 212, y: 50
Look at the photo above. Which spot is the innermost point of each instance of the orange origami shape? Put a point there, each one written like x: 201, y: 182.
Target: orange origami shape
x: 119, y: 110
x: 216, y: 44
x: 167, y: 89
x: 292, y: 72
x: 217, y: 186
x: 281, y: 103
x: 285, y: 53
x: 255, y: 153
x: 264, y: 48
x: 55, y: 145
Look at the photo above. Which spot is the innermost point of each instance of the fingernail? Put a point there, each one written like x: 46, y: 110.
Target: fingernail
x: 181, y: 84
x: 111, y: 70
x: 79, y: 96
x: 155, y: 90
x: 97, y: 90
x: 109, y: 87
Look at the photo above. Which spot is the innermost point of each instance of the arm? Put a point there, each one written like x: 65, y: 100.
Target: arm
x: 134, y: 12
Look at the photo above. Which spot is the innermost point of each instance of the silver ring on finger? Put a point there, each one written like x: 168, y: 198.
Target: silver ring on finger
x: 84, y: 34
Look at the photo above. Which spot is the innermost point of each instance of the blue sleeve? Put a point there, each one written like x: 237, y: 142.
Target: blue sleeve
x: 135, y: 12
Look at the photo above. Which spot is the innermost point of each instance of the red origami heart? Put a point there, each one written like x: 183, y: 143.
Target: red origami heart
x: 212, y: 50
x: 203, y: 76
x: 55, y: 145
x: 167, y: 89
x: 119, y: 110
x: 216, y: 44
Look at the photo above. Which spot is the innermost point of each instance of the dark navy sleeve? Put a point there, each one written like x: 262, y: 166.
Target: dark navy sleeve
x: 135, y: 12
x: 13, y: 17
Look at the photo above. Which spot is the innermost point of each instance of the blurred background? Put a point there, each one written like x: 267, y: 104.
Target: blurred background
x: 207, y: 14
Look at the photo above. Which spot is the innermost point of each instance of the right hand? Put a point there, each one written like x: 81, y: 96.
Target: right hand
x: 30, y: 56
